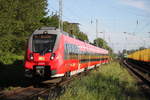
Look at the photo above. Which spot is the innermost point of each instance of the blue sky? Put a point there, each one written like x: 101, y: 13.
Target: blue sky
x: 114, y: 16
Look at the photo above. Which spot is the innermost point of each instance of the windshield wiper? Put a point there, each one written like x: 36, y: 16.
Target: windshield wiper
x: 44, y: 51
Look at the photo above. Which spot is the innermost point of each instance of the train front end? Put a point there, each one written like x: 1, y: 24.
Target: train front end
x: 41, y: 54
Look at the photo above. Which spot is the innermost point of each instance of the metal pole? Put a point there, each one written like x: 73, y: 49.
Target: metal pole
x: 60, y: 15
x: 149, y: 34
x: 104, y: 35
x: 96, y: 28
x: 97, y: 31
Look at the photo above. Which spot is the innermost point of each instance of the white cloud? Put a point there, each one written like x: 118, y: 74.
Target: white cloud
x: 137, y: 4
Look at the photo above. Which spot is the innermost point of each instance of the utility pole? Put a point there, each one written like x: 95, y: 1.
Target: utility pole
x: 149, y: 34
x: 96, y: 31
x: 60, y: 15
x: 96, y: 28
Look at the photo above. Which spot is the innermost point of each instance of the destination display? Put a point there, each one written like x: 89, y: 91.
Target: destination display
x: 43, y: 36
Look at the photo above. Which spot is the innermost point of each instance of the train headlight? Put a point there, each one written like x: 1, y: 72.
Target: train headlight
x: 52, y: 56
x: 31, y: 57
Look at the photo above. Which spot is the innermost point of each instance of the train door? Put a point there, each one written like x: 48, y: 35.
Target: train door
x: 79, y: 59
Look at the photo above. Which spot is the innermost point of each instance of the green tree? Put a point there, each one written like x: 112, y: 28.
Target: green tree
x: 73, y: 29
x: 82, y: 36
x: 102, y: 44
x: 18, y: 19
x: 51, y: 21
x: 21, y: 17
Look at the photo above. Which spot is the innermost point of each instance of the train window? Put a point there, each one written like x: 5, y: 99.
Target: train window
x: 43, y: 43
x: 71, y: 48
x: 66, y: 50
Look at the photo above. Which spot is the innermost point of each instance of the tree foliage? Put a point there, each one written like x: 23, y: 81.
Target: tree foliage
x: 102, y: 44
x: 21, y: 17
x: 18, y: 19
x: 50, y: 21
x: 73, y: 29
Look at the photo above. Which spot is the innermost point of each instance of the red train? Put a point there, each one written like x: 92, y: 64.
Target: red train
x: 51, y: 53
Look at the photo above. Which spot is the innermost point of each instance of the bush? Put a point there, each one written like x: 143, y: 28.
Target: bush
x: 9, y: 58
x: 12, y: 44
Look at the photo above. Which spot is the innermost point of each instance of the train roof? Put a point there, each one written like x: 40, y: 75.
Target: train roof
x: 53, y: 30
x: 49, y: 30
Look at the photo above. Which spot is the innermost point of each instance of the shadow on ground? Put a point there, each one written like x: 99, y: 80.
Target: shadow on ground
x: 13, y: 75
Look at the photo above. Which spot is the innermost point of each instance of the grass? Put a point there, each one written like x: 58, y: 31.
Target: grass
x: 110, y: 82
x: 10, y: 88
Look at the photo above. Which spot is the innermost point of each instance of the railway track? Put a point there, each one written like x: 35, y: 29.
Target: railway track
x: 143, y: 79
x: 49, y: 89
x: 28, y: 93
x: 140, y: 71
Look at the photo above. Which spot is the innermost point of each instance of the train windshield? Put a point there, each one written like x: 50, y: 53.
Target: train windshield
x: 43, y: 43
